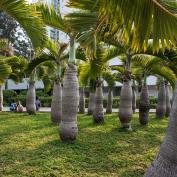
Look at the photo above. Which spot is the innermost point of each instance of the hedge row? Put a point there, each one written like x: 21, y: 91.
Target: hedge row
x: 10, y: 95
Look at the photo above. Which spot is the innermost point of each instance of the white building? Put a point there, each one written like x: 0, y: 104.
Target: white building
x: 53, y: 33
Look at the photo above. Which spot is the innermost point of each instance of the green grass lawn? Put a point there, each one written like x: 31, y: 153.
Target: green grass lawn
x: 30, y: 146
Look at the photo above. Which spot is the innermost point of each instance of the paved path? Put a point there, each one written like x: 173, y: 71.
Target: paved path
x: 48, y: 109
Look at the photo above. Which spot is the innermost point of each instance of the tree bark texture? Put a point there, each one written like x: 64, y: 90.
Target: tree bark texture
x: 91, y: 103
x: 161, y: 102
x: 109, y: 101
x: 133, y: 99
x: 31, y: 98
x: 125, y: 108
x: 98, y: 113
x: 82, y: 101
x: 56, y: 105
x: 1, y: 98
x: 168, y: 103
x: 165, y: 164
x: 144, y: 106
x: 70, y: 102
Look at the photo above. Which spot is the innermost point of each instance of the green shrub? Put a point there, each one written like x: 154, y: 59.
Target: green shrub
x: 8, y: 96
x: 46, y: 100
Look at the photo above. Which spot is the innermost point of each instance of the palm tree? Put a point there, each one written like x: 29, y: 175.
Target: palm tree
x: 158, y: 14
x: 70, y: 96
x: 56, y: 105
x: 53, y: 57
x: 93, y: 71
x: 126, y: 95
x: 144, y: 104
x: 109, y: 77
x: 31, y: 98
x: 126, y: 26
x: 84, y: 81
x: 142, y: 67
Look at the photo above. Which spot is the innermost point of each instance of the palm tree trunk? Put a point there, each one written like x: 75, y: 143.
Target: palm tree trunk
x: 82, y: 101
x: 70, y: 98
x: 161, y: 104
x: 168, y: 104
x: 133, y: 98
x: 164, y: 164
x: 56, y: 105
x: 31, y: 98
x: 91, y: 103
x: 1, y: 98
x: 144, y: 105
x: 109, y: 102
x: 125, y: 107
x: 98, y: 113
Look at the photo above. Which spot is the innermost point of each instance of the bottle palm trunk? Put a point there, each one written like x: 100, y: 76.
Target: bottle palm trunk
x: 109, y: 101
x: 133, y: 99
x: 164, y: 164
x: 70, y: 102
x: 31, y: 98
x: 161, y: 104
x: 56, y: 105
x: 125, y: 107
x: 91, y: 104
x: 168, y: 104
x: 98, y: 113
x: 144, y: 105
x: 82, y: 101
x: 1, y: 98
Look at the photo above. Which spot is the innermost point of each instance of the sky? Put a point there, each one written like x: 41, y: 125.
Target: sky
x: 63, y: 7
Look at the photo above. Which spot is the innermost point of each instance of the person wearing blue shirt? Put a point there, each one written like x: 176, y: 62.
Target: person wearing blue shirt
x: 13, y: 106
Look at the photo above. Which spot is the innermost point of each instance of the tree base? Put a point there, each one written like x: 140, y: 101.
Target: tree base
x: 98, y: 121
x: 68, y: 131
x: 126, y: 126
x: 108, y: 111
x: 161, y: 168
x: 144, y: 117
x: 90, y: 112
x: 55, y: 120
x: 31, y: 113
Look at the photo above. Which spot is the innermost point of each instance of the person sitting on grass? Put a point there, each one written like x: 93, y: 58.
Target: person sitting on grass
x: 38, y: 104
x: 13, y: 106
x: 19, y: 107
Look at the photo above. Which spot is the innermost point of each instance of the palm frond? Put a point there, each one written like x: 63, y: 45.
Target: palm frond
x: 38, y: 61
x: 53, y: 18
x: 110, y: 78
x: 146, y: 19
x: 27, y: 17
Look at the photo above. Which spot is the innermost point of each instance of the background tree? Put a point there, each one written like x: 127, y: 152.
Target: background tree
x: 110, y: 78
x: 55, y: 55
